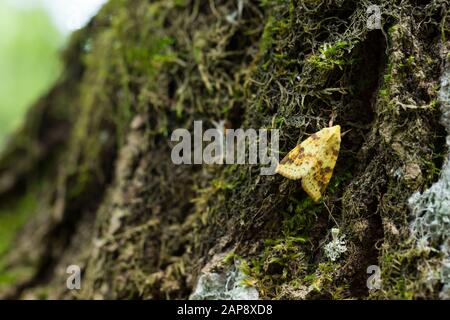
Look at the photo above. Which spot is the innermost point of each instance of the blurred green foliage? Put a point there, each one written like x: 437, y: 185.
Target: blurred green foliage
x: 29, y: 62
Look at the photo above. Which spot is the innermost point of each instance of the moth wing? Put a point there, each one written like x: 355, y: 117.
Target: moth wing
x: 315, y: 182
x: 330, y: 155
x: 311, y: 186
x: 300, y: 160
x: 313, y: 161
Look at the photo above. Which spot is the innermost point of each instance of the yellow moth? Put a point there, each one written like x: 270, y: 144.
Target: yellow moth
x: 313, y: 161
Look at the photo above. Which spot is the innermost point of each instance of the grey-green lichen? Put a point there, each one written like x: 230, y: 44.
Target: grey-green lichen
x: 229, y: 285
x: 431, y: 209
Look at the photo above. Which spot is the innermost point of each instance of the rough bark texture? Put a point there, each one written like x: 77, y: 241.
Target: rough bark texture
x: 95, y: 155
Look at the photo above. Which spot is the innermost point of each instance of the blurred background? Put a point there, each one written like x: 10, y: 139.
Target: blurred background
x: 32, y: 32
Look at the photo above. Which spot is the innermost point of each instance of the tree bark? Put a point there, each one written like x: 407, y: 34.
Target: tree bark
x: 95, y: 152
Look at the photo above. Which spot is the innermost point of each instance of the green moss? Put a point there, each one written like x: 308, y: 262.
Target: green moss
x: 266, y: 40
x: 399, y: 274
x: 300, y: 217
x: 12, y: 218
x: 116, y: 63
x: 322, y: 281
x: 9, y: 277
x: 332, y: 55
x: 281, y: 261
x: 230, y: 257
x: 407, y: 65
x: 340, y: 179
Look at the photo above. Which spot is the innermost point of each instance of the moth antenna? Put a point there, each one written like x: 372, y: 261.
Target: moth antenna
x: 344, y: 133
x: 333, y: 116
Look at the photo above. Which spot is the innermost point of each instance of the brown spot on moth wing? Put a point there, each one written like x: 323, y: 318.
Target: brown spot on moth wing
x: 330, y: 155
x: 313, y: 161
x: 295, y: 153
x: 312, y: 187
x: 300, y: 160
x: 315, y: 182
x: 293, y: 171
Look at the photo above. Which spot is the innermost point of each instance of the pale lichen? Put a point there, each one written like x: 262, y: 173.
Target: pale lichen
x: 431, y: 209
x: 224, y: 286
x: 337, y: 246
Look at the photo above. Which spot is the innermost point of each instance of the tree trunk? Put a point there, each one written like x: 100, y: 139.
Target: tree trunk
x: 92, y: 165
